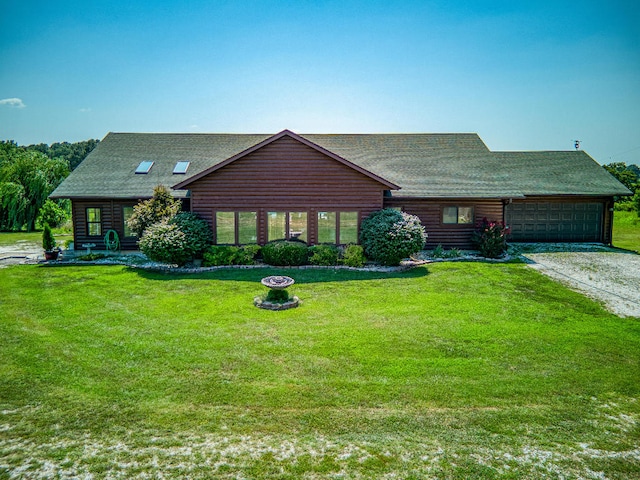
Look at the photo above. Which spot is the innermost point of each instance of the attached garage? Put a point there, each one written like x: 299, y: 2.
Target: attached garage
x: 555, y: 221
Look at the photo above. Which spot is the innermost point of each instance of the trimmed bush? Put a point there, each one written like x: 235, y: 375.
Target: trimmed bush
x: 324, y: 255
x: 388, y: 236
x: 217, y: 255
x: 198, y: 234
x: 48, y: 241
x: 353, y: 256
x: 490, y: 238
x: 160, y: 208
x: 166, y: 243
x: 285, y: 253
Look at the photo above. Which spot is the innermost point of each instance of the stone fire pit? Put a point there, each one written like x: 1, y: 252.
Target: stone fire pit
x: 278, y: 298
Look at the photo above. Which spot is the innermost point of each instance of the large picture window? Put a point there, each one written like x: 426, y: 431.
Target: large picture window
x: 94, y: 222
x: 236, y: 228
x: 457, y: 215
x: 342, y: 226
x: 287, y: 225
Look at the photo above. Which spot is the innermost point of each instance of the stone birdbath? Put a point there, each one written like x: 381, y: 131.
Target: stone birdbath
x: 278, y: 298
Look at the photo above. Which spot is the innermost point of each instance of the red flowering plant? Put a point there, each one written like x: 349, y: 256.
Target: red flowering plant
x: 490, y: 238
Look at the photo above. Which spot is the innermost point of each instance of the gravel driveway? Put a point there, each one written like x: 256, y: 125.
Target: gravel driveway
x: 610, y: 277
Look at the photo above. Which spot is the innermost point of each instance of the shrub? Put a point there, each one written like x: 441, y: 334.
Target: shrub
x: 160, y: 208
x: 324, y: 255
x: 388, y: 236
x: 48, y: 242
x: 217, y: 255
x: 438, y: 252
x: 277, y: 296
x: 52, y: 214
x: 353, y: 256
x: 166, y: 243
x: 285, y: 252
x: 490, y: 238
x: 198, y: 234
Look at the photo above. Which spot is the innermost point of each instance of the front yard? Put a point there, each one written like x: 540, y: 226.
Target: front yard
x: 455, y: 370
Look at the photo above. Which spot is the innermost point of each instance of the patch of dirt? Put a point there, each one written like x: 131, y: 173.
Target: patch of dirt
x: 611, y: 277
x: 20, y: 252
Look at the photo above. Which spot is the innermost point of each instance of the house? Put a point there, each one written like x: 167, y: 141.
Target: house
x: 318, y: 188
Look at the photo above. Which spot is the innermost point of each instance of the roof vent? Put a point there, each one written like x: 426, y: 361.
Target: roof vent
x: 144, y: 167
x: 181, y: 167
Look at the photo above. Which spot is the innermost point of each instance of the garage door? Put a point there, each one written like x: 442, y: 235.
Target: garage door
x: 555, y: 222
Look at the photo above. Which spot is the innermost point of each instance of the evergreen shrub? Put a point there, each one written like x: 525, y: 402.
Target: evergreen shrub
x: 285, y: 253
x: 166, y: 243
x: 388, y: 236
x: 324, y: 255
x: 48, y: 241
x: 353, y: 256
x: 197, y: 232
x: 217, y: 255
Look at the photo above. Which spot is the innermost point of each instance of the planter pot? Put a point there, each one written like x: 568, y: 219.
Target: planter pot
x: 51, y: 255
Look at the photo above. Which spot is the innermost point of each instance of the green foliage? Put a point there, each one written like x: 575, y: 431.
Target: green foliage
x: 324, y: 255
x: 198, y: 234
x: 52, y: 214
x: 277, y: 296
x: 438, y: 252
x: 90, y: 257
x: 48, y: 241
x: 161, y: 207
x: 285, y: 252
x: 166, y: 243
x: 73, y: 153
x: 490, y: 238
x: 636, y: 202
x: 625, y: 175
x: 217, y: 255
x: 353, y: 256
x: 26, y: 180
x: 388, y: 236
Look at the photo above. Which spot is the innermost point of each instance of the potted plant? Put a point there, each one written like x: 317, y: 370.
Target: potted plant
x: 51, y: 251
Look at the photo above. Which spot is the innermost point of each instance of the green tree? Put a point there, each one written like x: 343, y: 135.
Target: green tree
x: 74, y: 153
x: 625, y: 175
x: 27, y: 178
x: 159, y: 208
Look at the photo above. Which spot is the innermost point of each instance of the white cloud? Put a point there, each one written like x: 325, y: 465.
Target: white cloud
x: 13, y: 102
x: 84, y: 110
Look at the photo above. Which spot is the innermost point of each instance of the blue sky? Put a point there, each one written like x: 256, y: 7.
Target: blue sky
x: 523, y: 75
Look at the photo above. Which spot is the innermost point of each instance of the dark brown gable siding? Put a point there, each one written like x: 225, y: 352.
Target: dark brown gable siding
x: 449, y: 236
x: 285, y: 175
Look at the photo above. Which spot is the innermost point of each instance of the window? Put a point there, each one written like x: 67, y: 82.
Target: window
x: 126, y: 215
x: 144, y: 167
x: 225, y: 227
x: 247, y: 227
x: 181, y: 167
x: 348, y: 227
x: 326, y: 227
x: 332, y: 225
x: 238, y: 228
x: 457, y: 215
x: 288, y: 225
x: 94, y: 222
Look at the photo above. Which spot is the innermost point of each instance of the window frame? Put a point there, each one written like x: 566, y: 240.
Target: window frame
x: 287, y: 225
x: 236, y: 226
x: 338, y: 225
x: 89, y: 222
x: 457, y: 215
x: 126, y: 229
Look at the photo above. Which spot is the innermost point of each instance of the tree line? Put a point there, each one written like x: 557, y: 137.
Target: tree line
x: 28, y: 175
x: 629, y: 176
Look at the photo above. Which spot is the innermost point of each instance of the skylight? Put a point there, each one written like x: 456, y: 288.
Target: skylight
x: 144, y: 166
x: 181, y: 167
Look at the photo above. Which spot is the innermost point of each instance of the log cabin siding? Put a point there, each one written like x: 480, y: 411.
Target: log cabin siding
x: 448, y: 235
x: 286, y: 176
x: 112, y: 219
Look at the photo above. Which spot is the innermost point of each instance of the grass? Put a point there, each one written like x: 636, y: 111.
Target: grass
x: 626, y: 230
x: 457, y: 370
x: 11, y: 238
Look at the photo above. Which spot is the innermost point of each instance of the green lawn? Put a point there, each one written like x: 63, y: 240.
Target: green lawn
x: 455, y: 370
x: 626, y: 230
